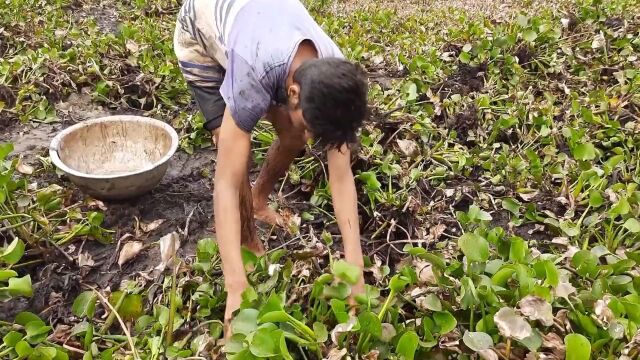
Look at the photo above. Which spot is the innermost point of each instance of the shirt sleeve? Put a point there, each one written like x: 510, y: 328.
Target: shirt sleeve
x: 243, y: 93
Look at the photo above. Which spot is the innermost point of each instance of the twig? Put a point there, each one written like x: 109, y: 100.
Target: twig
x: 122, y: 324
x: 117, y: 250
x: 283, y: 245
x: 185, y: 232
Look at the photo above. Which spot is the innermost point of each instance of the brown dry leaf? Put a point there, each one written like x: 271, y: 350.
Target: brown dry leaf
x: 555, y: 343
x: 536, y: 308
x: 342, y: 328
x: 60, y: 334
x: 425, y: 272
x: 85, y: 259
x: 408, y: 147
x: 169, y: 245
x: 24, y: 168
x: 96, y: 204
x: 488, y: 354
x: 603, y: 312
x: 528, y: 196
x: 132, y: 46
x: 372, y: 355
x: 562, y: 318
x: 436, y: 231
x: 564, y: 289
x: 336, y: 354
x: 152, y: 225
x: 129, y: 251
x: 512, y: 325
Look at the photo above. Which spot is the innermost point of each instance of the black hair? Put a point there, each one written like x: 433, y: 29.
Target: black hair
x: 333, y: 98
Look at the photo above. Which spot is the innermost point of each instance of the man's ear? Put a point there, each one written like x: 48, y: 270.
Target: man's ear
x: 293, y: 95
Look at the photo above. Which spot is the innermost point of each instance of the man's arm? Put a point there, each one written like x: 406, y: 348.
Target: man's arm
x: 345, y: 204
x: 231, y: 171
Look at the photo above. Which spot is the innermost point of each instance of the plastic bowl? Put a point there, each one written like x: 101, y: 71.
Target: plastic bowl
x: 115, y: 157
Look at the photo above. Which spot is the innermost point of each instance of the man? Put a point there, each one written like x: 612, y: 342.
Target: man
x: 245, y: 59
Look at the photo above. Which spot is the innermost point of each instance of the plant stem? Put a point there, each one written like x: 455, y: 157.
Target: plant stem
x: 112, y: 315
x: 471, y: 317
x: 172, y: 308
x: 507, y: 351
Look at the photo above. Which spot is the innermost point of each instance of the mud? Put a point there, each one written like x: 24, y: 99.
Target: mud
x: 466, y: 80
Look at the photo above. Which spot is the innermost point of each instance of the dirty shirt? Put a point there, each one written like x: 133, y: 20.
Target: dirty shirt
x: 255, y: 41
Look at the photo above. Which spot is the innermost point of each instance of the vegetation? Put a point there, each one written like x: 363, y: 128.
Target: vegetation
x: 498, y: 180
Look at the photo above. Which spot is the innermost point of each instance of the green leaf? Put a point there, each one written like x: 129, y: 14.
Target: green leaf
x: 7, y: 274
x: 569, y: 228
x: 445, y: 321
x: 511, y: 205
x: 337, y: 291
x: 12, y: 338
x: 23, y: 349
x: 585, y: 151
x: 632, y: 225
x: 26, y: 317
x: 398, y: 283
x: 407, y: 345
x: 620, y: 208
x: 346, y: 272
x: 432, y: 302
x: 475, y: 213
x: 522, y: 20
x: 131, y: 307
x: 245, y: 322
x: 61, y: 355
x: 370, y: 180
x: 518, y: 250
x: 585, y: 263
x: 370, y: 324
x: 43, y: 352
x: 533, y: 341
x: 529, y: 35
x: 578, y: 347
x: 474, y: 247
x: 477, y: 341
x: 13, y: 253
x: 85, y: 304
x: 265, y: 343
x: 5, y: 149
x: 36, y: 331
x: 20, y: 286
x: 235, y: 344
x: 552, y: 274
x: 321, y: 332
x: 595, y: 198
x: 274, y: 316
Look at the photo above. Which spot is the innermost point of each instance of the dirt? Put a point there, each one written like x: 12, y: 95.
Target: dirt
x: 464, y: 81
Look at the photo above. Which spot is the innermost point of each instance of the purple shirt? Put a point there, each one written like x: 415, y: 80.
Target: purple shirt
x: 261, y: 44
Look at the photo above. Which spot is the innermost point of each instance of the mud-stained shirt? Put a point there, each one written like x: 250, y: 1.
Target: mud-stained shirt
x: 255, y: 41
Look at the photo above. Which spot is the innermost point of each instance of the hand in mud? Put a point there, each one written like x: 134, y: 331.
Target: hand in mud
x: 268, y: 215
x: 234, y: 299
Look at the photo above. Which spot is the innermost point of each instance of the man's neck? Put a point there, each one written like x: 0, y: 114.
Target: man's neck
x: 306, y: 51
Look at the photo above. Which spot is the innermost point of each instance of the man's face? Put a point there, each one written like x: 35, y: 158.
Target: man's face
x: 298, y: 122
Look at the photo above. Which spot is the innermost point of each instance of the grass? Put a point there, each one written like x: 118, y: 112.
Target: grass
x: 498, y: 187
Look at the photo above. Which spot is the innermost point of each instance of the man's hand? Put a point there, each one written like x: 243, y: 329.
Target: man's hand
x: 345, y: 204
x: 234, y: 146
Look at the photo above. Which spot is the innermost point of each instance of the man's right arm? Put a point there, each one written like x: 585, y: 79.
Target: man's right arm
x: 234, y: 147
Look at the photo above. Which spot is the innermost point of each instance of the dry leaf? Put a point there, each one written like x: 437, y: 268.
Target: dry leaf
x: 536, y: 308
x: 152, y: 225
x: 372, y: 355
x: 564, y: 289
x: 436, y: 231
x: 343, y: 328
x: 425, y: 272
x: 129, y: 251
x: 24, y: 168
x: 132, y: 46
x: 603, y: 312
x: 336, y: 354
x: 488, y: 354
x: 528, y: 196
x: 84, y: 259
x: 598, y: 41
x: 408, y: 147
x: 169, y: 245
x: 96, y: 204
x: 512, y: 325
x: 555, y: 343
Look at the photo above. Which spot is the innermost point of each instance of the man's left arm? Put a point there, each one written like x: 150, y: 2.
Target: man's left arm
x: 345, y: 204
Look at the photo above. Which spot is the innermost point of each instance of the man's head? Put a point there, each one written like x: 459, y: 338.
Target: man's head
x: 329, y: 97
